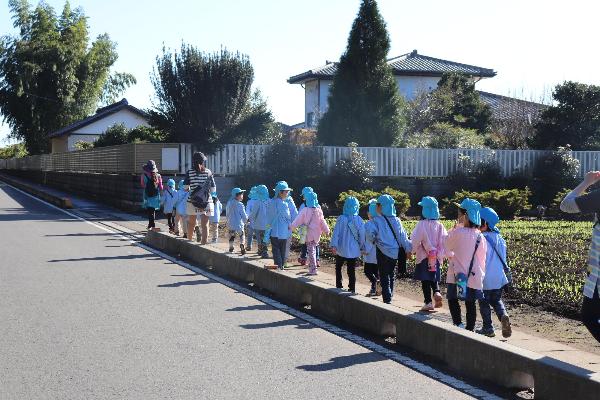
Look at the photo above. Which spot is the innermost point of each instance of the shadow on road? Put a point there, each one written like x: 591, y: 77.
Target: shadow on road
x: 342, y: 362
x: 261, y: 307
x: 106, y: 258
x: 298, y: 323
x: 187, y: 283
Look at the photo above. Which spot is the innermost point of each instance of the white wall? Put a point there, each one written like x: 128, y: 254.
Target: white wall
x: 410, y: 86
x: 311, y: 99
x: 325, y: 86
x: 129, y: 119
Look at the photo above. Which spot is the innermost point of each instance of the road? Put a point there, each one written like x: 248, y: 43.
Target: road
x: 86, y: 314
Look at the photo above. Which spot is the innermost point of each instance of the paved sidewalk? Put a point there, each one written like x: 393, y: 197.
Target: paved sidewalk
x: 537, y: 344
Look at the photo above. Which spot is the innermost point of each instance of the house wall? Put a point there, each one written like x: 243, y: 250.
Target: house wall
x: 311, y: 101
x: 410, y: 86
x: 59, y: 144
x: 74, y: 138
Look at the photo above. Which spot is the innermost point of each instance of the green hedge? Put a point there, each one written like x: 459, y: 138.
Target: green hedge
x: 508, y: 203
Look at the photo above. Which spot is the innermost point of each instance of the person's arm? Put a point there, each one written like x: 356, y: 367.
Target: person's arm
x: 482, y: 253
x: 416, y: 237
x: 333, y: 243
x: 300, y: 219
x: 243, y: 214
x: 572, y: 206
x: 361, y: 234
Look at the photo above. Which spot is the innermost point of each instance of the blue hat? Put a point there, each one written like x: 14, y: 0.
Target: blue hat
x: 311, y: 200
x: 472, y: 207
x: 387, y: 205
x: 262, y: 192
x: 181, y: 184
x: 306, y: 190
x: 351, y: 206
x: 252, y: 195
x: 171, y: 183
x: 280, y: 186
x: 373, y: 208
x: 430, y: 208
x: 236, y: 191
x: 491, y: 217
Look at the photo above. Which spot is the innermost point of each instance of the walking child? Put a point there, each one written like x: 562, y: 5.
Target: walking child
x: 348, y: 242
x: 215, y: 218
x: 312, y: 217
x: 249, y: 207
x: 389, y: 236
x: 236, y: 219
x: 258, y: 218
x: 280, y: 219
x: 370, y: 254
x: 169, y: 200
x: 466, y: 249
x: 497, y: 276
x: 180, y: 209
x: 302, y: 229
x: 427, y: 240
x: 151, y: 182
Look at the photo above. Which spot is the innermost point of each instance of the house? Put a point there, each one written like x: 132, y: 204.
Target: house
x: 414, y: 73
x: 90, y: 128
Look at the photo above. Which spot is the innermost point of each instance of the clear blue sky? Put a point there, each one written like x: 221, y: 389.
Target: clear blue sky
x: 532, y: 44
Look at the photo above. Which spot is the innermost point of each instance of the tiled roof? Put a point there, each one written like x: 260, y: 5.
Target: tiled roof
x: 505, y: 108
x: 408, y: 64
x: 100, y: 113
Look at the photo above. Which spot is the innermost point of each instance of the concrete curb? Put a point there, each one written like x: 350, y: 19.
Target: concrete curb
x: 469, y: 354
x: 62, y: 202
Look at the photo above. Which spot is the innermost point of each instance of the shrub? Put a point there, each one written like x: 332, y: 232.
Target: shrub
x: 355, y: 171
x: 508, y: 203
x: 119, y: 134
x: 444, y: 135
x: 83, y: 145
x: 553, y: 172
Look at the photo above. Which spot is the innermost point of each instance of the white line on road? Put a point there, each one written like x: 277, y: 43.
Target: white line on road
x: 368, y: 344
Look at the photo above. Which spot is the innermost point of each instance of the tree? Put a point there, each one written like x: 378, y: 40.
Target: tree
x: 207, y: 99
x: 574, y: 120
x: 443, y: 135
x: 50, y: 75
x: 119, y: 134
x: 13, y: 151
x: 364, y: 103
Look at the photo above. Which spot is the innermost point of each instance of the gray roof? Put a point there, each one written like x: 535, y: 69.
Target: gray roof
x: 410, y: 64
x: 505, y: 108
x: 100, y: 113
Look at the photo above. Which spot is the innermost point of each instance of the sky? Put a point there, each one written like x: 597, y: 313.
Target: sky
x: 532, y: 44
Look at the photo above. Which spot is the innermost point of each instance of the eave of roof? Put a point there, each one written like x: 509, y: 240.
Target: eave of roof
x: 100, y: 113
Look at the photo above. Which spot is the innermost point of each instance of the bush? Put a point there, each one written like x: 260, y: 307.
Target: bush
x: 83, y: 145
x: 16, y: 150
x: 354, y: 171
x: 508, y: 203
x: 554, y: 172
x: 402, y: 199
x: 118, y: 134
x: 444, y: 135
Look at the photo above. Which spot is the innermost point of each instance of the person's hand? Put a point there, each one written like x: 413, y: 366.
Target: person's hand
x: 591, y: 177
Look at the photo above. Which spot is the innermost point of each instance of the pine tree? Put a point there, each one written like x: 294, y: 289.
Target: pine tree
x: 364, y: 103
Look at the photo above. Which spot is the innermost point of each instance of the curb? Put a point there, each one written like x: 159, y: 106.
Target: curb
x: 62, y: 202
x: 467, y: 353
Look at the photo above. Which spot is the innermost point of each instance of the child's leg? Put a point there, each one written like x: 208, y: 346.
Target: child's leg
x: 249, y: 238
x: 242, y: 241
x: 471, y: 314
x: 454, y: 306
x: 370, y: 273
x: 231, y: 240
x: 214, y: 228
x: 169, y: 221
x: 303, y: 251
x: 277, y: 256
x: 339, y: 262
x: 283, y: 248
x: 151, y: 217
x: 426, y: 287
x: 352, y: 273
x: 288, y: 245
x: 486, y: 312
x: 177, y: 223
x: 318, y: 252
x: 311, y: 252
x: 386, y: 275
x: 497, y: 303
x: 437, y: 296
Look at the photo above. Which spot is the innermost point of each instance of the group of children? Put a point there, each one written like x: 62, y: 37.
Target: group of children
x: 474, y: 248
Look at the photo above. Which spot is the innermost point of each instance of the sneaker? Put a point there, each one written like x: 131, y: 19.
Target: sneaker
x: 506, y: 328
x: 282, y: 268
x: 428, y: 307
x: 171, y: 231
x: 198, y: 234
x: 460, y: 326
x: 242, y: 249
x: 184, y: 236
x: 312, y: 273
x: 231, y: 249
x: 352, y: 290
x: 176, y: 233
x: 486, y: 332
x: 437, y: 298
x: 302, y: 261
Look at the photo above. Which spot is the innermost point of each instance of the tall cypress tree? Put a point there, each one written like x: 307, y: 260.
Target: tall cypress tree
x: 364, y: 104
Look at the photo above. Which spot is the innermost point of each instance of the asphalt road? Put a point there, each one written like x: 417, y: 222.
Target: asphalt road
x: 85, y: 314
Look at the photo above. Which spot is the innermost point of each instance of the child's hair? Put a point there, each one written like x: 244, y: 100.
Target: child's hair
x: 484, y: 222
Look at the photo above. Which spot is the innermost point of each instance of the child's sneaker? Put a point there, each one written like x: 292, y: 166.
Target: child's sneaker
x: 176, y: 233
x: 437, y: 298
x: 373, y: 291
x: 231, y: 249
x: 506, y: 328
x: 302, y: 261
x: 242, y: 249
x: 487, y: 332
x: 427, y: 307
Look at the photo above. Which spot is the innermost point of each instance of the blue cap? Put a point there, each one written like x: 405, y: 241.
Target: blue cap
x: 491, y: 217
x: 171, y: 183
x: 387, y: 205
x: 351, y: 206
x: 311, y: 200
x: 236, y: 191
x: 181, y: 184
x: 280, y: 186
x: 306, y: 190
x: 262, y: 192
x: 252, y: 195
x: 472, y: 207
x: 373, y: 208
x: 430, y: 208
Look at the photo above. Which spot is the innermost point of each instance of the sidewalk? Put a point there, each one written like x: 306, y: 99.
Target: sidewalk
x: 538, y: 344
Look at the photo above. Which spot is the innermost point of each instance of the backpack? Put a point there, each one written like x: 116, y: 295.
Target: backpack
x: 201, y: 196
x: 151, y: 190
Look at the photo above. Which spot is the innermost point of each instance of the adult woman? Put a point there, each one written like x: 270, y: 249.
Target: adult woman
x: 197, y: 178
x: 575, y: 202
x: 151, y: 182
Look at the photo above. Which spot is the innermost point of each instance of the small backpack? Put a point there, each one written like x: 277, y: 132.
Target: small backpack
x: 201, y: 196
x: 151, y: 190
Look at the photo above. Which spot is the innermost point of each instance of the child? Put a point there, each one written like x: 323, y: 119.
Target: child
x: 258, y: 218
x: 389, y: 237
x: 151, y: 182
x: 370, y: 254
x: 302, y: 229
x: 279, y: 229
x: 180, y: 206
x: 495, y: 275
x: 466, y: 249
x: 427, y: 239
x: 170, y: 198
x: 293, y: 214
x: 249, y: 206
x: 347, y: 242
x: 215, y: 218
x: 236, y: 218
x: 312, y: 217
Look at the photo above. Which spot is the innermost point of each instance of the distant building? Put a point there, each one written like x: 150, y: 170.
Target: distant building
x: 414, y: 73
x: 90, y: 128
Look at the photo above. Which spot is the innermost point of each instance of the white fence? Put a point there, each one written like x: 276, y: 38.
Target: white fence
x: 403, y: 162
x: 232, y: 159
